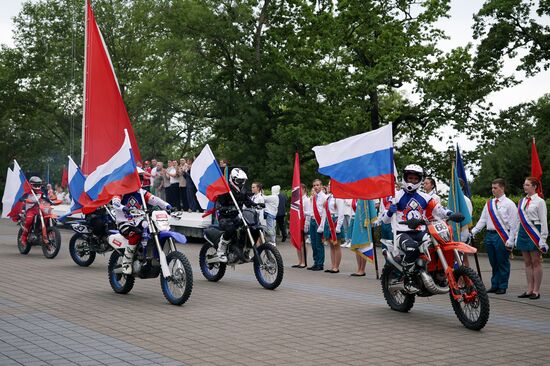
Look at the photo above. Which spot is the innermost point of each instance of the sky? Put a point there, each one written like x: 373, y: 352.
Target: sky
x: 458, y: 27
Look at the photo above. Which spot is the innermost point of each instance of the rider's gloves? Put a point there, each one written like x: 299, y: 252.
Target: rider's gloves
x: 168, y: 207
x: 543, y: 246
x: 510, y: 244
x: 127, y: 213
x: 391, y: 210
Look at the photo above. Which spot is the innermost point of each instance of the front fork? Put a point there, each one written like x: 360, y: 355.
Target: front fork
x: 254, y: 248
x: 449, y: 272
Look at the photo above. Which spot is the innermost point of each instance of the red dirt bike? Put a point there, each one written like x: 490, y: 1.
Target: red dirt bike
x: 438, y: 270
x: 42, y: 231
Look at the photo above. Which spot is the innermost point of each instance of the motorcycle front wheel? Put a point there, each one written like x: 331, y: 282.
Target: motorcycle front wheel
x: 51, y: 249
x: 79, y: 248
x: 177, y: 288
x: 396, y: 298
x: 23, y: 249
x: 473, y: 308
x: 270, y: 273
x: 120, y: 283
x: 211, y: 271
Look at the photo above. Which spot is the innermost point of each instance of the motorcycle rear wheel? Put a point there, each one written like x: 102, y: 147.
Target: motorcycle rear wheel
x: 51, y: 250
x: 473, y: 312
x: 80, y: 250
x: 213, y: 272
x: 22, y: 249
x: 270, y: 274
x: 397, y: 300
x: 178, y: 289
x: 120, y: 283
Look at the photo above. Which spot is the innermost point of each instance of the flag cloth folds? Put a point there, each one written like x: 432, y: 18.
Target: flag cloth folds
x: 16, y: 186
x: 359, y: 166
x: 457, y: 203
x: 117, y: 176
x: 208, y: 178
x: 64, y: 177
x: 79, y: 198
x: 361, y: 239
x: 296, y: 207
x: 536, y: 168
x: 104, y: 115
x: 461, y: 172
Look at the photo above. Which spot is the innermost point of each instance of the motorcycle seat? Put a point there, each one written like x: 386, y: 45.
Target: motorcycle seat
x: 213, y: 234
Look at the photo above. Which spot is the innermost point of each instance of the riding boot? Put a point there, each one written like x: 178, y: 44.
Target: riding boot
x: 222, y: 248
x: 24, y: 236
x: 127, y: 259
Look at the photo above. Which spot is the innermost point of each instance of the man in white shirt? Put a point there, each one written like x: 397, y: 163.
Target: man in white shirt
x: 499, y: 216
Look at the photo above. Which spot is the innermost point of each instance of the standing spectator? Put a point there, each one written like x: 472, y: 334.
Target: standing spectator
x: 281, y: 213
x: 153, y: 173
x: 499, y: 215
x: 271, y: 208
x: 306, y: 207
x: 173, y: 191
x: 332, y: 223
x: 314, y: 216
x: 258, y: 197
x: 166, y: 180
x: 532, y: 232
x: 158, y: 181
x: 147, y: 176
x: 430, y: 187
x: 183, y: 168
x: 361, y: 261
x: 348, y: 222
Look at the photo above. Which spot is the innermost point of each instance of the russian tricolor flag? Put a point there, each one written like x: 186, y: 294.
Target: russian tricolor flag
x: 360, y: 166
x: 16, y: 186
x: 117, y: 176
x: 208, y: 178
x: 76, y: 180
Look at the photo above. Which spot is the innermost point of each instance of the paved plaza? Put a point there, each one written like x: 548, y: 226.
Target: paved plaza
x: 53, y: 312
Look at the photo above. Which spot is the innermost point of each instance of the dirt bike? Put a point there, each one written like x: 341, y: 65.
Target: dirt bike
x: 91, y: 236
x: 42, y: 232
x: 268, y: 263
x: 156, y: 255
x: 438, y: 270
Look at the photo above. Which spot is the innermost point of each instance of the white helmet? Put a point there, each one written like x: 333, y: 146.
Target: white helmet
x: 238, y: 178
x: 416, y: 170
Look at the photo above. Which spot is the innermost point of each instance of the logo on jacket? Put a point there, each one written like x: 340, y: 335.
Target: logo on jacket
x: 413, y: 210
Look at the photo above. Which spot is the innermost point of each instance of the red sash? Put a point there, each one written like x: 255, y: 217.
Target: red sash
x: 316, y: 213
x: 331, y: 224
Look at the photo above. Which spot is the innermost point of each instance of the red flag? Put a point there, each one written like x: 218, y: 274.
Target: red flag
x: 105, y: 115
x: 536, y: 168
x: 64, y: 177
x: 296, y: 207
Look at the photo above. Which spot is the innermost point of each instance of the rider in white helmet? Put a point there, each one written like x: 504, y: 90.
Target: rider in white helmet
x: 228, y: 215
x: 410, y: 203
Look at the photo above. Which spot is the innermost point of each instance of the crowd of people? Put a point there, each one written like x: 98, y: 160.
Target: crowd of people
x: 329, y: 221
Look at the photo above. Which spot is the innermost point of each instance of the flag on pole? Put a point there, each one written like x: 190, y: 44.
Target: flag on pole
x: 359, y: 166
x: 361, y: 239
x: 536, y: 168
x: 16, y: 186
x: 461, y: 173
x: 208, y: 178
x: 79, y: 198
x: 104, y: 115
x: 65, y: 177
x: 457, y: 203
x: 296, y: 207
x: 117, y: 176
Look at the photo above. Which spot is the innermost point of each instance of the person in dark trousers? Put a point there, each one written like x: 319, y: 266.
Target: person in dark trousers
x: 281, y: 213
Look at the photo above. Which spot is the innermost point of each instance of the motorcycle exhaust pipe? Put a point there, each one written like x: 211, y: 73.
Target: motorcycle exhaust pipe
x: 431, y: 286
x: 390, y: 260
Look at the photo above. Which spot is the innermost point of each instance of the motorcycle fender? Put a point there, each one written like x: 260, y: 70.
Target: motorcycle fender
x: 461, y: 247
x: 178, y: 238
x: 118, y: 241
